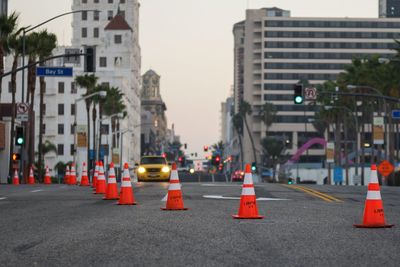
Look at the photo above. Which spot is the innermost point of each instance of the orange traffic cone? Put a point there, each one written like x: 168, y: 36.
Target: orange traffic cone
x: 374, y: 216
x: 95, y: 175
x: 101, y: 181
x: 31, y: 179
x: 72, y: 176
x: 126, y: 195
x: 248, y: 205
x: 47, y: 179
x: 174, y: 198
x: 15, y: 180
x: 112, y: 187
x: 84, y: 177
x: 66, y: 176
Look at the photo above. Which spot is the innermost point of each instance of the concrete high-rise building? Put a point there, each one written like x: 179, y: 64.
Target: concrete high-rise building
x: 389, y: 8
x: 280, y: 50
x: 3, y: 7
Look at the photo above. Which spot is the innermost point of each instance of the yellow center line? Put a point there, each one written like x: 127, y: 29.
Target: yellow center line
x: 315, y: 193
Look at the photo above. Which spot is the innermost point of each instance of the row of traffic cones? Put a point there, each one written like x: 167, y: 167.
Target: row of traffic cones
x: 31, y: 178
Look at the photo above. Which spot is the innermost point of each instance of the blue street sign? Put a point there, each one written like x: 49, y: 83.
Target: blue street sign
x: 91, y: 154
x: 54, y: 71
x: 396, y: 114
x: 338, y: 174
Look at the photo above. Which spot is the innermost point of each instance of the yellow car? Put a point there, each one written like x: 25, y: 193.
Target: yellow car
x: 153, y: 168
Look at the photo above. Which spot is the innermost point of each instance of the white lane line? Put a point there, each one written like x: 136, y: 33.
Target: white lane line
x: 259, y: 199
x: 34, y: 191
x: 2, y: 198
x: 232, y: 185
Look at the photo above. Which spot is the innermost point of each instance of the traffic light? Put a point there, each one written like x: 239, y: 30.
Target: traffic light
x: 15, y: 156
x: 298, y: 97
x: 19, y: 136
x: 253, y: 167
x: 205, y: 148
x: 185, y: 146
x: 217, y: 160
x: 290, y: 181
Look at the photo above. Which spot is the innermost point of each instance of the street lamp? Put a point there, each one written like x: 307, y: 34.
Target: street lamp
x: 27, y: 29
x: 102, y: 94
x: 356, y: 124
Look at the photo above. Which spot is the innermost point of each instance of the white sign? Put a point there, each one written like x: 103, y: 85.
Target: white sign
x: 22, y: 108
x: 310, y: 93
x: 22, y: 117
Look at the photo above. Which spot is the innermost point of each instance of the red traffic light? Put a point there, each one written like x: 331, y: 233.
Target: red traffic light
x: 217, y: 158
x: 164, y: 155
x: 180, y: 159
x: 205, y: 148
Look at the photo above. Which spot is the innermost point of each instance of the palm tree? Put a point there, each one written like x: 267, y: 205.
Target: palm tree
x: 244, y: 110
x: 237, y: 122
x: 87, y: 81
x: 273, y: 149
x: 8, y: 25
x: 46, y: 148
x: 268, y: 113
x: 47, y: 42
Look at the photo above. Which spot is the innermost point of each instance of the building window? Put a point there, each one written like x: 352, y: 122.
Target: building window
x: 96, y: 15
x: 84, y: 15
x: 105, y: 84
x: 72, y: 149
x: 84, y: 1
x: 61, y: 87
x: 44, y: 109
x: 60, y: 149
x: 110, y: 14
x: 117, y: 61
x: 84, y: 32
x: 103, y: 62
x: 96, y: 32
x: 117, y: 38
x: 96, y: 1
x: 72, y: 109
x: 122, y: 1
x: 110, y: 1
x: 44, y: 128
x: 9, y: 87
x: 122, y: 13
x: 60, y: 109
x: 72, y: 129
x: 60, y: 128
x: 73, y: 88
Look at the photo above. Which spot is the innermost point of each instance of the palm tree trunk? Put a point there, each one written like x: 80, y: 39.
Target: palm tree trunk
x: 100, y: 117
x: 40, y: 145
x: 13, y: 91
x: 114, y: 138
x: 88, y: 135
x: 251, y: 140
x: 1, y: 68
x: 30, y: 133
x: 94, y: 114
x: 241, y: 151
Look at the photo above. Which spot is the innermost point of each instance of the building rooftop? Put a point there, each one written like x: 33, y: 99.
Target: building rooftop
x: 118, y: 23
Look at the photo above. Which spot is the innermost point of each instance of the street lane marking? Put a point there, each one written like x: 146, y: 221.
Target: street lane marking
x: 235, y: 198
x: 234, y: 185
x: 34, y: 191
x: 2, y: 198
x: 315, y: 193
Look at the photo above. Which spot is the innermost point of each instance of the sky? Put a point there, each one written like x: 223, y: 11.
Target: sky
x: 189, y: 43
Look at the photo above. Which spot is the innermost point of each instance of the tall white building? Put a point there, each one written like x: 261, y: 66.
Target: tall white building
x: 280, y: 50
x: 112, y: 34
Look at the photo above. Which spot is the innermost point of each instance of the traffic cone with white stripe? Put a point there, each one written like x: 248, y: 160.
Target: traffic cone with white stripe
x: 72, y: 176
x: 95, y: 175
x: 112, y: 187
x: 66, y: 176
x: 31, y: 179
x: 174, y: 198
x: 101, y: 181
x: 84, y: 177
x: 248, y: 204
x: 15, y: 180
x: 47, y: 179
x: 126, y: 196
x: 374, y: 216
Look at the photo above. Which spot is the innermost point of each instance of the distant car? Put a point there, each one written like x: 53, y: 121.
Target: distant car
x: 237, y: 175
x: 153, y: 168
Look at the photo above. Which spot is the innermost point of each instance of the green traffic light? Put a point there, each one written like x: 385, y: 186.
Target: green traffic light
x: 298, y: 99
x: 20, y: 141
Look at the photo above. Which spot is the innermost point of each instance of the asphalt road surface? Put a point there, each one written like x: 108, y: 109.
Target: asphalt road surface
x: 61, y: 225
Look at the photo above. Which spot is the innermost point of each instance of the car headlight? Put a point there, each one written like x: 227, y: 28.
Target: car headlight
x: 191, y: 171
x: 141, y: 170
x: 165, y: 169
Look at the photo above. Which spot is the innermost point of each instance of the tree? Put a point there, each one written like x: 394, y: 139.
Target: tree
x: 8, y: 26
x: 237, y: 122
x: 268, y: 113
x: 87, y: 81
x: 47, y: 42
x: 273, y: 150
x: 244, y: 110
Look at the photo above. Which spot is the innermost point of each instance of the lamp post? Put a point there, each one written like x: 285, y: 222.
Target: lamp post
x: 102, y: 95
x: 27, y: 29
x: 356, y: 141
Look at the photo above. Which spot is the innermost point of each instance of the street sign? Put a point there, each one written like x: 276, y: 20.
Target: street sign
x: 385, y: 168
x: 396, y: 114
x: 22, y: 117
x: 54, y: 71
x: 22, y: 108
x: 330, y: 151
x: 378, y: 131
x: 310, y: 93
